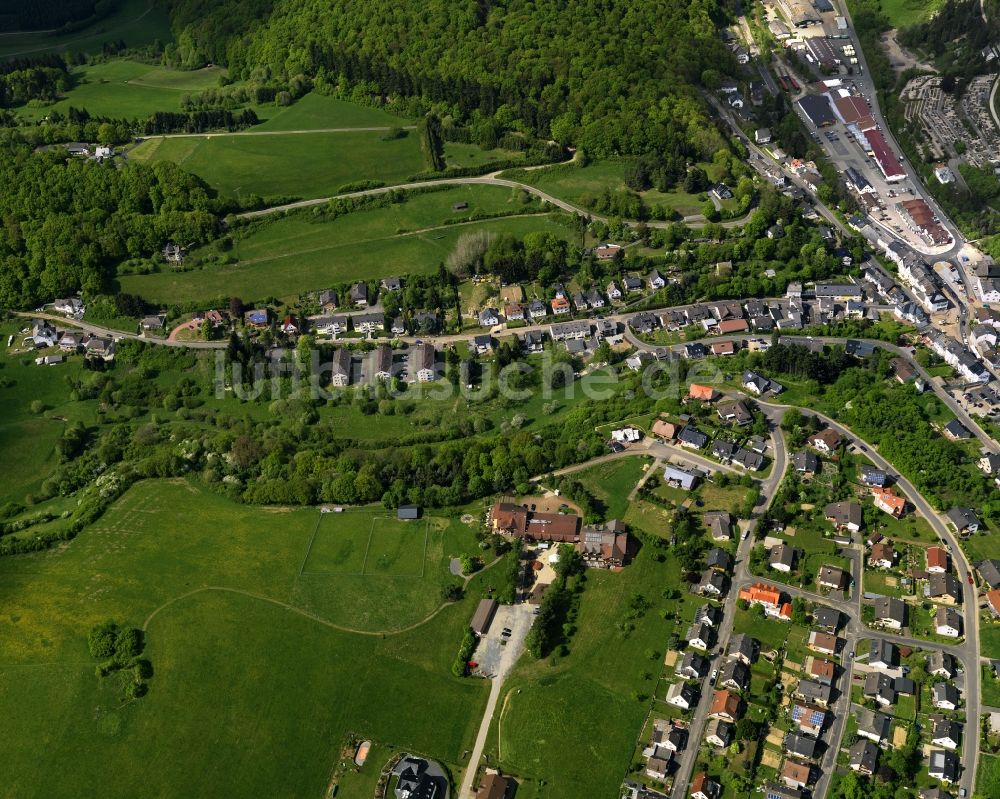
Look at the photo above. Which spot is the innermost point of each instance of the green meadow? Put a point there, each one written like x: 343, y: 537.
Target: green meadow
x: 128, y: 89
x: 317, y: 111
x: 611, y: 482
x: 301, y: 165
x: 136, y: 22
x: 258, y: 686
x: 309, y: 252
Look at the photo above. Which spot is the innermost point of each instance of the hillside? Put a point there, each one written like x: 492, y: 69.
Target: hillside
x: 615, y: 77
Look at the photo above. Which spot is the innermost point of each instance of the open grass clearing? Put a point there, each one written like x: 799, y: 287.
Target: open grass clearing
x: 458, y: 154
x: 311, y: 257
x: 230, y: 665
x: 583, y: 184
x: 126, y: 89
x: 305, y: 165
x: 548, y: 722
x: 988, y: 777
x: 611, y: 482
x: 902, y: 13
x: 318, y: 111
x: 135, y: 22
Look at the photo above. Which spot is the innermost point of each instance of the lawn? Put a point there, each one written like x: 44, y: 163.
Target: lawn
x: 303, y: 165
x: 250, y: 696
x: 902, y: 13
x: 572, y: 724
x: 988, y: 778
x: 612, y: 481
x: 135, y: 22
x: 317, y: 111
x: 990, y: 686
x: 582, y: 184
x: 458, y: 154
x: 128, y: 89
x: 989, y: 640
x: 310, y: 254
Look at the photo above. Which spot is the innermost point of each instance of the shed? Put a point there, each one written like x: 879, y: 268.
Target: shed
x: 484, y: 616
x: 406, y: 512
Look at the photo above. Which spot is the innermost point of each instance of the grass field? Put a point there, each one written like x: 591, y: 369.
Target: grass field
x: 135, y: 22
x: 569, y: 728
x: 253, y: 692
x: 989, y: 640
x: 576, y: 184
x: 309, y: 254
x: 303, y: 165
x: 988, y: 778
x: 902, y: 13
x: 128, y: 89
x: 611, y: 482
x: 457, y: 154
x: 318, y: 111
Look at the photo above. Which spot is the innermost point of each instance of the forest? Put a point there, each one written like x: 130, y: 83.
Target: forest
x: 616, y: 78
x: 48, y: 14
x: 68, y: 222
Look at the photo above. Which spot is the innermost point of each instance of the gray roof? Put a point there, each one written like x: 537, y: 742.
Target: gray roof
x: 826, y: 617
x: 801, y: 745
x: 814, y: 691
x: 989, y: 570
x: 880, y: 650
x: 735, y: 672
x: 864, y: 754
x: 890, y: 607
x: 873, y: 722
x: 962, y: 518
x: 743, y: 645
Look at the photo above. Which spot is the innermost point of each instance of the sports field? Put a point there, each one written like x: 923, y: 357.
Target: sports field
x: 253, y: 686
x: 303, y: 165
x: 129, y: 90
x: 135, y: 22
x: 311, y: 254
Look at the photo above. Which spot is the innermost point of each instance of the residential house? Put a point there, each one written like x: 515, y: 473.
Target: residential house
x: 594, y: 299
x: 701, y: 636
x: 824, y: 643
x: 98, y: 347
x: 718, y: 558
x: 708, y: 614
x: 873, y: 725
x: 882, y: 556
x: 704, y: 787
x: 744, y: 648
x: 831, y: 577
x: 889, y: 501
x: 702, y: 393
x: 769, y: 597
x: 719, y: 522
x: 398, y: 327
x: 809, y: 718
x: 805, y: 463
x: 513, y: 311
x: 726, y: 706
x: 391, y: 284
x: 734, y: 674
x: 816, y: 693
x: 821, y: 670
x: 863, y: 757
x: 643, y: 323
x: 532, y: 341
x: 773, y: 790
x: 359, y: 295
x: 946, y: 733
x: 537, y: 310
x: 723, y: 348
x: 70, y: 306
x: 782, y: 558
x: 735, y: 412
x: 826, y: 618
x: 613, y: 292
x: 871, y: 476
x: 692, y: 667
x: 580, y: 301
x: 844, y: 515
x: 945, y: 696
x: 882, y: 655
x: 327, y: 301
x: 956, y: 431
x: 665, y: 430
x: 422, y: 363
x: 964, y: 520
x: 989, y: 572
x: 382, y: 363
x: 713, y: 583
x: 796, y: 775
x: 682, y: 695
x: 656, y: 281
x: 936, y: 559
x: 723, y: 450
x: 934, y: 793
x: 890, y: 612
x: 943, y: 765
x: 70, y: 342
x: 560, y: 306
x: 941, y: 664
x: 489, y: 317
x: 330, y: 325
x: 718, y: 733
x: 800, y: 745
x: 340, y: 368
x: 657, y: 767
x: 826, y: 440
x: 495, y: 786
x: 258, y: 318
x: 756, y: 384
x: 679, y: 478
x: 570, y: 331
x: 369, y: 323
x: 692, y: 438
x: 632, y: 284
x: 880, y: 687
x: 944, y: 588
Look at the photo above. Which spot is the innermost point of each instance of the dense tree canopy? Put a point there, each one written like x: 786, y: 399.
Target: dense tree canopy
x: 615, y: 77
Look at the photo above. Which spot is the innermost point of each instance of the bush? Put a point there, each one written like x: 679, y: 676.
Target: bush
x: 101, y: 640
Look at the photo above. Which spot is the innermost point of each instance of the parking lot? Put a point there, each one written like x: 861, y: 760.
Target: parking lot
x: 498, y: 650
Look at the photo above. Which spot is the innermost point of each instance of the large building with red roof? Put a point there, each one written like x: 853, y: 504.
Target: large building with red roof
x: 884, y: 156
